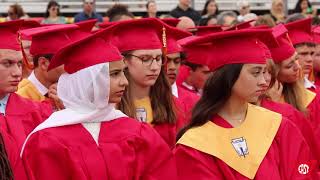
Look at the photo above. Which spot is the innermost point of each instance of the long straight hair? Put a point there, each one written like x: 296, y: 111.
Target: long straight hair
x: 5, y: 168
x: 293, y: 94
x: 217, y: 90
x: 163, y: 107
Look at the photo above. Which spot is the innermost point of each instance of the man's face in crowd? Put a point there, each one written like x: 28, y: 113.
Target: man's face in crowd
x: 10, y: 70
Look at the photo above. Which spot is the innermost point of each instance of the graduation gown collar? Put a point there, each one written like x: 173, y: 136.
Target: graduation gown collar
x: 243, y: 148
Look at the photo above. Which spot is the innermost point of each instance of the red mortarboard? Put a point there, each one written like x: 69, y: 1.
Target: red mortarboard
x: 231, y: 47
x: 84, y: 53
x: 316, y: 34
x: 136, y: 34
x: 205, y: 30
x: 107, y: 24
x: 28, y: 24
x: 243, y: 25
x: 171, y: 21
x: 87, y: 25
x: 9, y: 35
x: 173, y: 36
x: 49, y: 39
x: 300, y: 31
x: 285, y: 49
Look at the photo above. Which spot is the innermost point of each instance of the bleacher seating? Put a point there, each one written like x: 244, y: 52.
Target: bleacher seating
x: 74, y: 6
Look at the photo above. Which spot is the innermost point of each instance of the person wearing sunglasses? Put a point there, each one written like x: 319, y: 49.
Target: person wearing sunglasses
x: 52, y: 15
x: 15, y: 12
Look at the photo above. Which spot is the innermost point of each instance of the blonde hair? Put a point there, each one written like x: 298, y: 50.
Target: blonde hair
x: 280, y: 16
x: 293, y: 93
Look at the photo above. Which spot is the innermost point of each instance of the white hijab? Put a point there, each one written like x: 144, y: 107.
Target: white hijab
x: 85, y: 95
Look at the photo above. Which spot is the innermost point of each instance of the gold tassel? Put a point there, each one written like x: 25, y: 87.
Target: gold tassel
x: 24, y: 56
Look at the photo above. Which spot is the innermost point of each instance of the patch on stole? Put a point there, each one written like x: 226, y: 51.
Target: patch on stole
x: 141, y: 114
x: 240, y: 145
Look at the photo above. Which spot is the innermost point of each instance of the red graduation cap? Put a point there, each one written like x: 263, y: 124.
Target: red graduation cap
x: 231, y: 47
x: 87, y: 25
x: 84, y: 53
x: 300, y: 31
x: 316, y: 34
x: 243, y: 25
x: 205, y: 30
x: 28, y: 24
x: 285, y: 49
x: 107, y: 24
x: 49, y: 39
x: 171, y: 21
x: 173, y: 35
x: 9, y: 35
x: 136, y: 34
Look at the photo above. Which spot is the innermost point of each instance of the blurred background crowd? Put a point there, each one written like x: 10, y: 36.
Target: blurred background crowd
x: 193, y: 12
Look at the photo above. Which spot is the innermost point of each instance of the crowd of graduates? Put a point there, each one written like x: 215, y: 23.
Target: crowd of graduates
x: 143, y: 99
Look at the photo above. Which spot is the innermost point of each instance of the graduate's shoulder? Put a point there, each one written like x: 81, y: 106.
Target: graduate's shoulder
x: 25, y: 105
x: 125, y: 127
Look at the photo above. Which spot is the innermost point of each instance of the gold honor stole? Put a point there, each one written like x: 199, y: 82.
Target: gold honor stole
x: 308, y: 97
x: 242, y: 148
x: 27, y: 90
x: 144, y: 110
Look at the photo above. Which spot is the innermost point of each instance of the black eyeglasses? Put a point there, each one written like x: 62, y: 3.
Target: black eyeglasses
x: 147, y: 60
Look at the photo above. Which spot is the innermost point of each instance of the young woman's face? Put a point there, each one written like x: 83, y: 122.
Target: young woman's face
x: 211, y: 8
x: 304, y: 5
x: 251, y: 82
x: 289, y: 70
x: 316, y: 58
x: 53, y: 10
x: 173, y: 65
x: 267, y: 76
x: 118, y: 81
x: 144, y: 66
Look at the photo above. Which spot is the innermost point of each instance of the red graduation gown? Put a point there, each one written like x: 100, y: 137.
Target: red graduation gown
x: 22, y: 116
x: 189, y: 100
x: 317, y: 80
x: 127, y: 149
x: 281, y: 162
x: 168, y: 131
x: 13, y: 155
x: 314, y: 115
x: 299, y: 120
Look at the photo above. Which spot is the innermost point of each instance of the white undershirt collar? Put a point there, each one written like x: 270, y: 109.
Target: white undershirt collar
x: 40, y: 87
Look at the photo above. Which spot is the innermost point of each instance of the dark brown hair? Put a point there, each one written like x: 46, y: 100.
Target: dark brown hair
x: 5, y: 168
x: 36, y: 58
x: 50, y: 4
x: 205, y: 8
x: 117, y: 11
x: 17, y: 10
x: 216, y: 91
x: 162, y: 102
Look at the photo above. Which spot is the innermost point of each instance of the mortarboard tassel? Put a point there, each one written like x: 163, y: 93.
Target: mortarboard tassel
x: 164, y: 47
x: 24, y: 56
